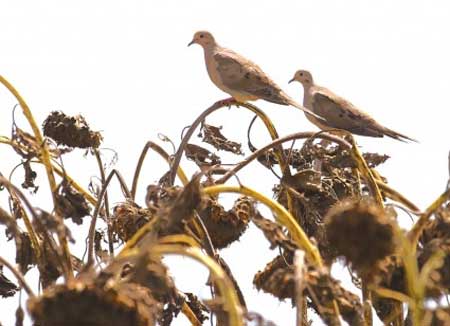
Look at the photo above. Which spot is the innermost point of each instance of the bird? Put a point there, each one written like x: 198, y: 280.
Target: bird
x: 338, y: 113
x: 239, y: 77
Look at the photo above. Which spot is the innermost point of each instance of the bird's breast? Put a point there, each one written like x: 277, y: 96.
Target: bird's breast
x: 213, y: 72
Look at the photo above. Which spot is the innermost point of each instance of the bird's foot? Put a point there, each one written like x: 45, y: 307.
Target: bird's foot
x: 227, y: 102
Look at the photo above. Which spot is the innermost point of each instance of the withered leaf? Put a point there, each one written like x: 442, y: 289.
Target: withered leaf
x: 201, y: 156
x: 30, y: 176
x: 26, y: 145
x: 24, y: 252
x: 7, y: 288
x: 198, y: 308
x: 71, y: 203
x: 274, y: 233
x: 213, y: 136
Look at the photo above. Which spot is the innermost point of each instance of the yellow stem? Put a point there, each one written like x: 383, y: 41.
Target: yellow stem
x: 281, y: 215
x: 75, y: 185
x: 180, y: 239
x: 367, y: 173
x: 417, y: 229
x: 392, y: 294
x: 131, y: 243
x: 230, y: 299
x: 187, y: 311
x: 398, y: 197
x: 45, y: 158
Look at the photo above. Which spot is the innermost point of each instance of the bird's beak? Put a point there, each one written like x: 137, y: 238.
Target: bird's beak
x: 293, y: 79
x: 191, y: 42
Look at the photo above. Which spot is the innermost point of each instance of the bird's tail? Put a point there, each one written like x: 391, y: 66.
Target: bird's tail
x: 398, y: 136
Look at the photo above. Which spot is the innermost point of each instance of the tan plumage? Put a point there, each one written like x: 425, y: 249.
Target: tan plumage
x: 339, y: 113
x: 238, y: 76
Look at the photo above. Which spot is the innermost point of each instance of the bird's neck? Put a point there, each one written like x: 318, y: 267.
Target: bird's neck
x: 210, y: 48
x: 307, y: 86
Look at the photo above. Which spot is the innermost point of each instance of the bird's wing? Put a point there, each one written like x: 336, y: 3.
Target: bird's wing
x: 240, y: 74
x: 341, y: 114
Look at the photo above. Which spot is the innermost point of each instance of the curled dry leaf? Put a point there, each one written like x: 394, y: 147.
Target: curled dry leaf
x: 274, y: 233
x: 71, y: 204
x: 24, y: 143
x: 25, y: 257
x: 30, y: 177
x: 277, y: 278
x: 12, y: 230
x: 7, y: 288
x: 201, y: 156
x: 213, y: 136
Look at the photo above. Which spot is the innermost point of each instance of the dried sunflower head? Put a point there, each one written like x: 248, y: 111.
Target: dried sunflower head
x: 360, y: 231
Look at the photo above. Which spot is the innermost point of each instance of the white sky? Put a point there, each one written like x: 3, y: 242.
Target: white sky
x: 125, y: 66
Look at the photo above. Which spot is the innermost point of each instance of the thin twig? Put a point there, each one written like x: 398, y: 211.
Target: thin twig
x: 108, y: 216
x: 158, y: 149
x: 262, y: 150
x: 216, y: 106
x: 19, y: 276
x: 47, y: 237
x: 91, y: 234
x: 416, y: 231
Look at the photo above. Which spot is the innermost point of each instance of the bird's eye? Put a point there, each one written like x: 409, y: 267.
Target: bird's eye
x: 201, y: 35
x: 301, y: 74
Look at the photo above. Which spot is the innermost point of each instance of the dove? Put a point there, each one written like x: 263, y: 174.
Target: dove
x: 239, y: 77
x: 338, y: 113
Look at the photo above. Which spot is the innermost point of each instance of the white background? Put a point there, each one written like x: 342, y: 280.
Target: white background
x: 125, y: 67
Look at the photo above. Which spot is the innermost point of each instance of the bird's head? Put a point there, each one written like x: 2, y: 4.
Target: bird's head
x: 203, y: 38
x: 302, y: 76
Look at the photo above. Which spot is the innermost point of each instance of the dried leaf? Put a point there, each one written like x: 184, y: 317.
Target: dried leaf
x: 71, y: 204
x: 274, y: 233
x: 213, y: 136
x: 7, y: 288
x: 30, y: 176
x: 201, y: 156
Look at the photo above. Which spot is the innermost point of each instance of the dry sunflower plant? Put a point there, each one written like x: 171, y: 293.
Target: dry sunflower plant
x: 329, y: 202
